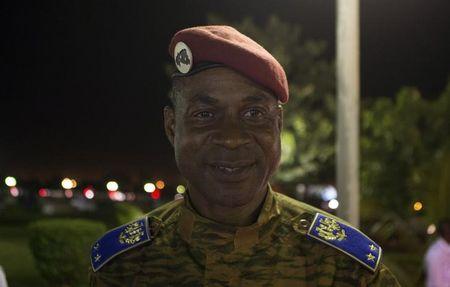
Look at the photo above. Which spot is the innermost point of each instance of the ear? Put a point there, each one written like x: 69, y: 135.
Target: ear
x: 169, y: 123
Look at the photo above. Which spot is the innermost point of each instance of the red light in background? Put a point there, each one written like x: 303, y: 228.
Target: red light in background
x: 88, y: 192
x: 156, y: 194
x: 43, y: 192
x: 89, y: 187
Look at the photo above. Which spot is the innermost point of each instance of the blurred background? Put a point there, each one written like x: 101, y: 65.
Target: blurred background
x: 82, y: 146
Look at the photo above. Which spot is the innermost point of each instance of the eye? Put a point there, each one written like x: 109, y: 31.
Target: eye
x: 253, y: 113
x: 204, y: 115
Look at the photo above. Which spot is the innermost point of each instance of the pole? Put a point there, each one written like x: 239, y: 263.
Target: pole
x: 347, y: 150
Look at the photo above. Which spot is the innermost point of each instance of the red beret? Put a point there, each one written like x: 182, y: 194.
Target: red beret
x: 225, y: 45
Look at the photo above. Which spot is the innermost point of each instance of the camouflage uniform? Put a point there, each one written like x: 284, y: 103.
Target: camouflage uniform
x: 189, y: 250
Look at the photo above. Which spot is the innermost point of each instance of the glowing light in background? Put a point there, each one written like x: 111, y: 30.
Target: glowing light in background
x: 156, y: 194
x: 89, y: 194
x: 329, y: 193
x: 68, y: 193
x: 74, y: 183
x: 418, y: 206
x: 181, y: 189
x: 112, y: 186
x: 66, y: 183
x: 333, y: 204
x: 116, y: 195
x: 120, y: 196
x: 160, y: 184
x: 111, y: 194
x: 10, y: 181
x: 43, y: 192
x: 149, y: 187
x: 431, y: 229
x: 14, y: 191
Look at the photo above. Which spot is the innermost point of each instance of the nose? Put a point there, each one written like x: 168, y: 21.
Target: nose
x: 231, y: 135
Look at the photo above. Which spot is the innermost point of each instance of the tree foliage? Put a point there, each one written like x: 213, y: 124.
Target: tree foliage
x: 405, y: 151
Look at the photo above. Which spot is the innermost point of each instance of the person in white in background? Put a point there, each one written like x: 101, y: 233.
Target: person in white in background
x: 437, y: 258
x: 3, y: 282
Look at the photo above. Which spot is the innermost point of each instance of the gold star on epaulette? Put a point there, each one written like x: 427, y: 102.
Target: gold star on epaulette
x: 370, y: 257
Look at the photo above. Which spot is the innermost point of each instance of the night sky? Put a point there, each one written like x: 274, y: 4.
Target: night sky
x: 83, y: 82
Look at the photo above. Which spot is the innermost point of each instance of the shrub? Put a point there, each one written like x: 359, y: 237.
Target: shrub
x: 126, y: 212
x: 61, y: 249
x: 114, y: 214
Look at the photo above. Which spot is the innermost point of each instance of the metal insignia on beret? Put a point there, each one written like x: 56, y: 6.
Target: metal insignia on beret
x: 183, y: 57
x: 119, y: 240
x: 347, y: 239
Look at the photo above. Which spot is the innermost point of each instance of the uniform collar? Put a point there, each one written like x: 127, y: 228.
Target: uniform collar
x: 198, y: 230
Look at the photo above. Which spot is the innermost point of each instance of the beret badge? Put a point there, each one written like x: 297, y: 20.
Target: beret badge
x: 183, y: 57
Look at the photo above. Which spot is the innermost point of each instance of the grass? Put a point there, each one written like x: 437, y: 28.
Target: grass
x: 16, y: 258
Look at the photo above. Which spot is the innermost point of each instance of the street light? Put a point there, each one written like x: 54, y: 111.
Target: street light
x: 67, y: 183
x: 181, y: 189
x: 160, y: 184
x: 74, y: 183
x: 418, y: 206
x: 333, y: 204
x: 112, y: 186
x: 10, y: 181
x: 149, y: 187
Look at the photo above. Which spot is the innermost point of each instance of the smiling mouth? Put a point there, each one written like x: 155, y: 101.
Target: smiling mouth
x: 231, y: 171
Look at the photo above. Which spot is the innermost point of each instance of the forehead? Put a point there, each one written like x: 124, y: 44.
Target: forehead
x: 223, y: 85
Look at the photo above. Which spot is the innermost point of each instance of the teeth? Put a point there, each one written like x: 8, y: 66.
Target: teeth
x: 227, y: 169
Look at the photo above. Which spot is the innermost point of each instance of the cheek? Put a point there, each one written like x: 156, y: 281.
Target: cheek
x: 270, y: 144
x: 187, y: 148
x: 276, y: 153
x: 270, y: 138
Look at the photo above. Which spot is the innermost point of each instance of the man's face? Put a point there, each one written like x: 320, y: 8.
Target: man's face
x: 226, y: 134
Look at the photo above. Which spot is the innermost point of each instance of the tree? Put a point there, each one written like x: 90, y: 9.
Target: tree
x: 405, y: 148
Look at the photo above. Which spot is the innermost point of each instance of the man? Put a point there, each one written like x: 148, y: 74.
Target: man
x: 232, y: 229
x: 437, y: 259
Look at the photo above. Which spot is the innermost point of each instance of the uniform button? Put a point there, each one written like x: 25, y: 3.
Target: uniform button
x: 302, y: 226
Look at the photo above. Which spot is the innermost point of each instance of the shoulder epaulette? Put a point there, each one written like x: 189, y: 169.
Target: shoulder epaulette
x: 119, y: 240
x: 346, y: 239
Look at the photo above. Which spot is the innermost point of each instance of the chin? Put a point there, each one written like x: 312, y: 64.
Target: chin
x: 230, y: 196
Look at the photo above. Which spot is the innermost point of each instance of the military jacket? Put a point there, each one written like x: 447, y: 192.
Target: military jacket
x: 183, y: 248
